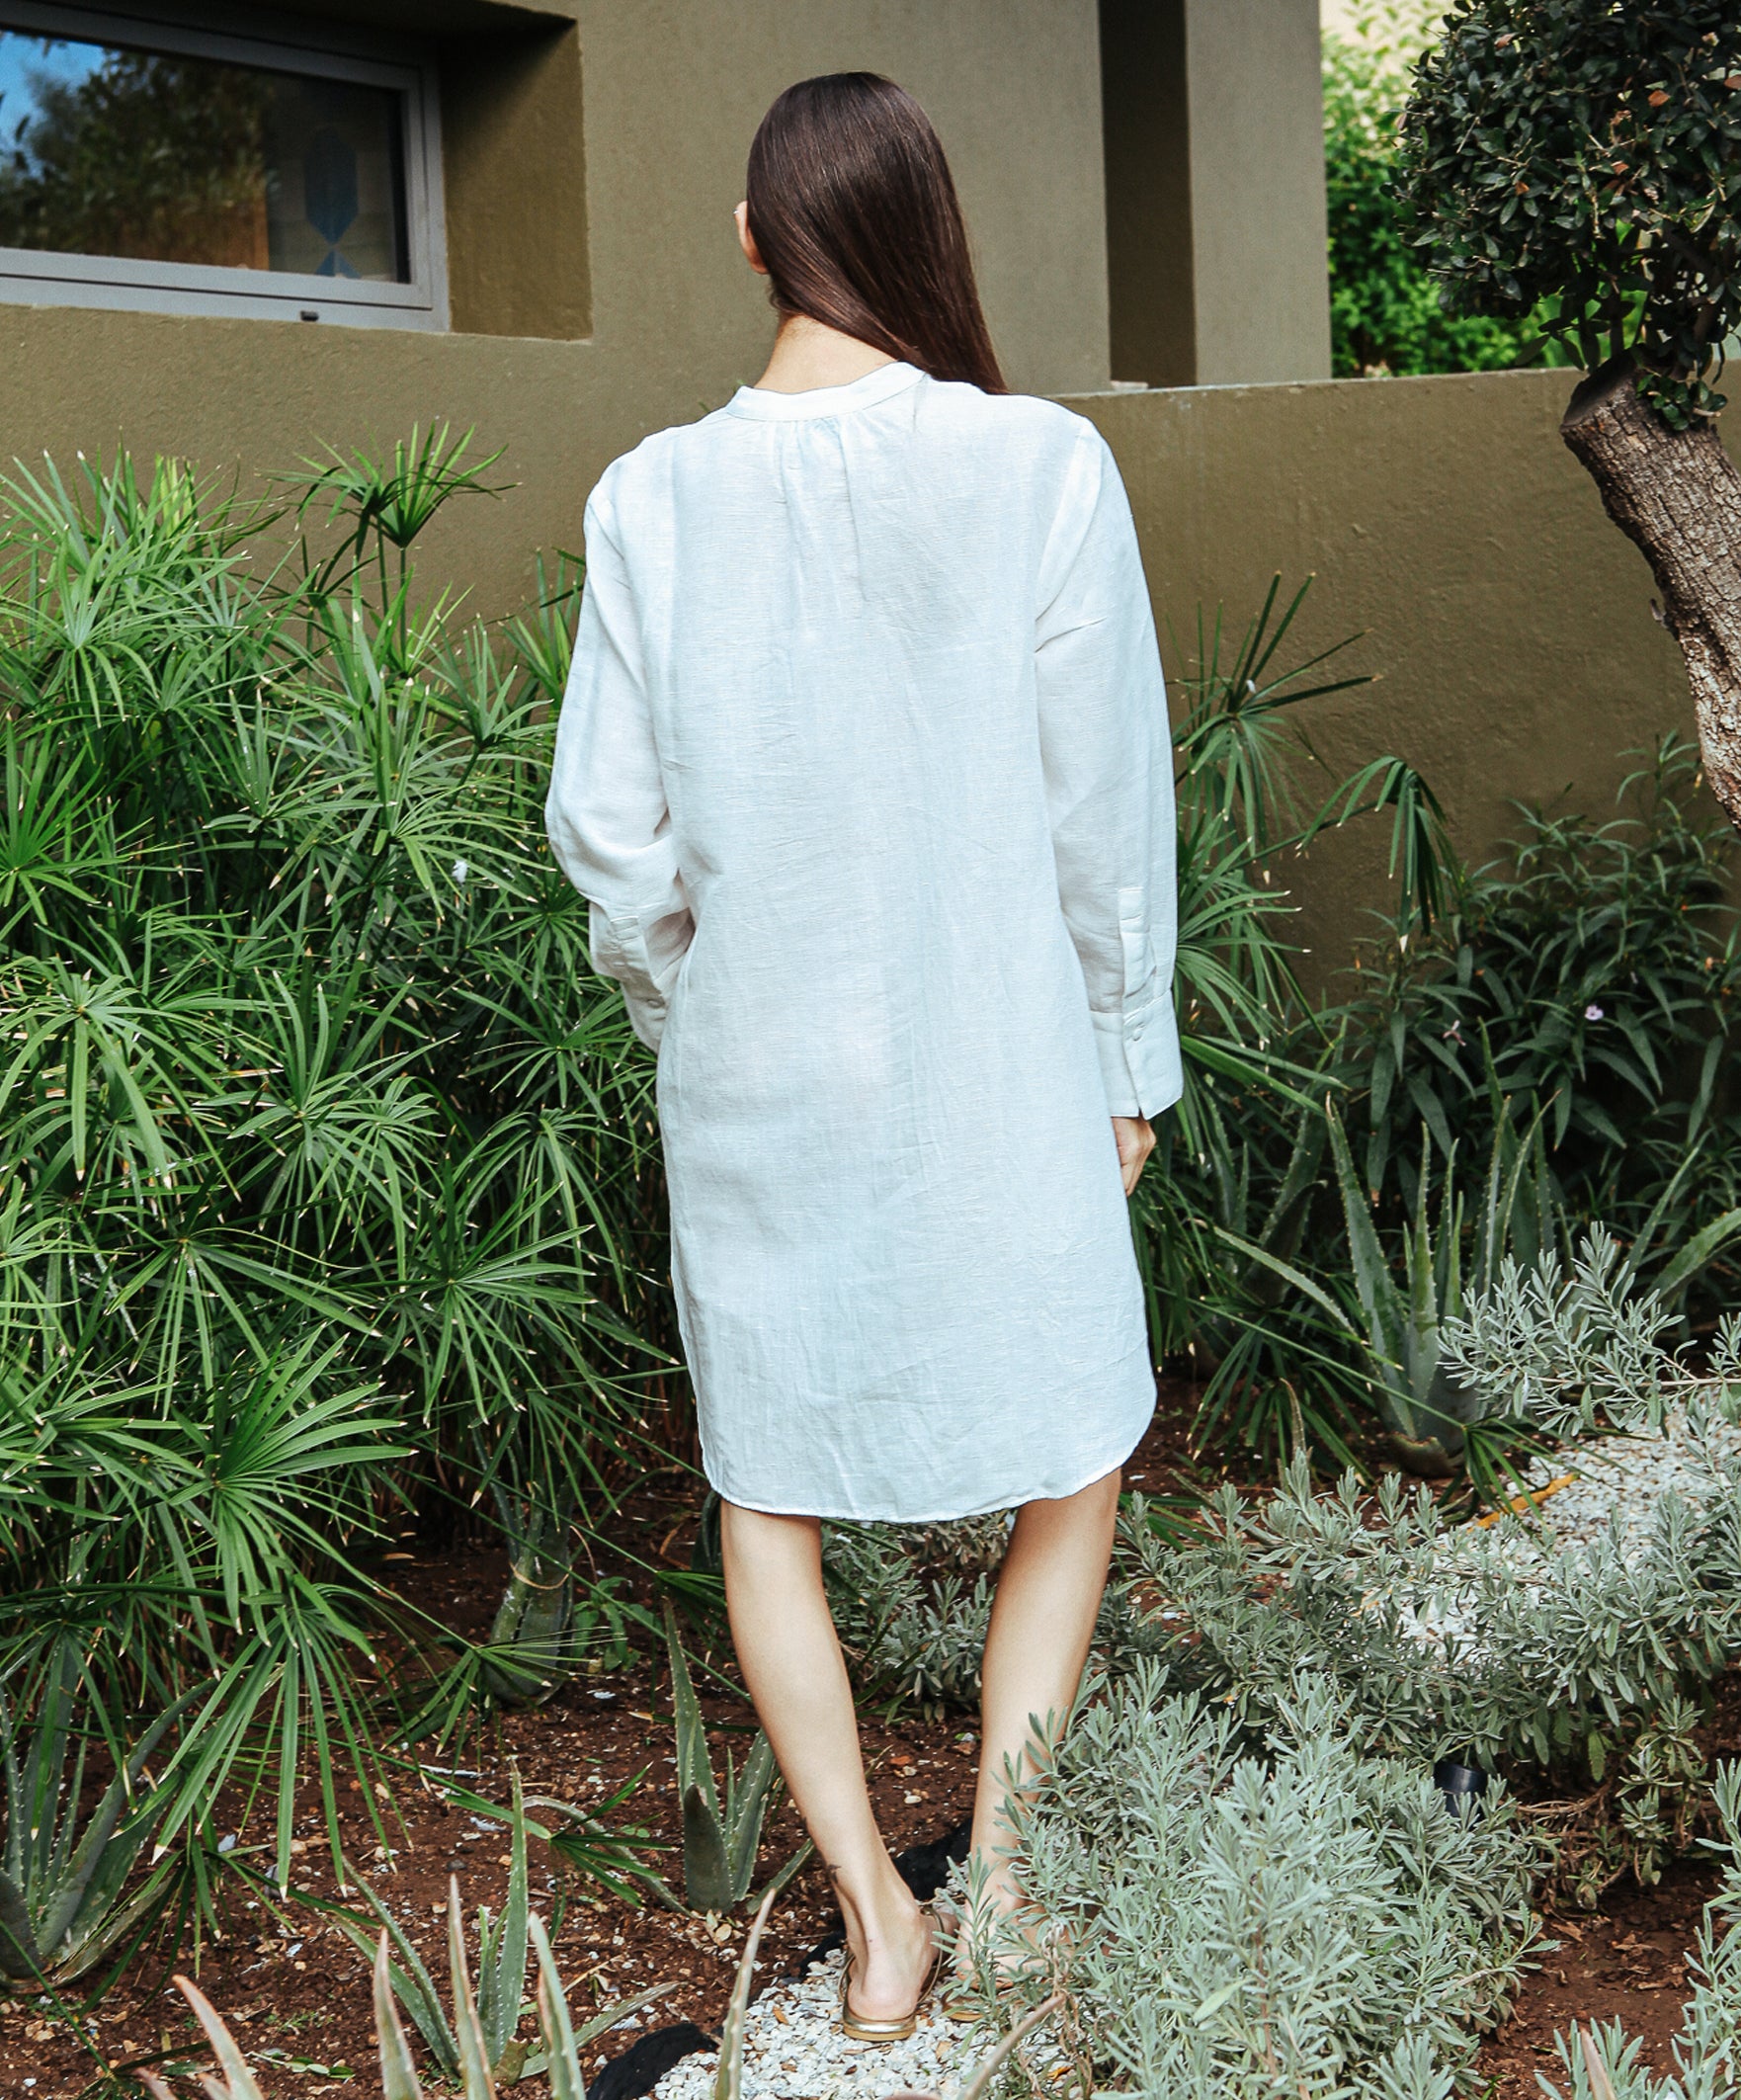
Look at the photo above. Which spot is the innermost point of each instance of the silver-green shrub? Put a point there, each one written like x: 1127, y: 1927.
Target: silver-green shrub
x: 1285, y: 1914
x: 1440, y: 1641
x: 1260, y: 1888
x: 1256, y: 1885
x: 912, y: 1602
x: 1557, y: 1347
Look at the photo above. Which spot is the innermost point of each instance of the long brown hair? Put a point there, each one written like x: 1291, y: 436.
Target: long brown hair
x: 855, y: 214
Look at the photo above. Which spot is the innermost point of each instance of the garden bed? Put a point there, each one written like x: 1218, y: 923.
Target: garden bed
x: 301, y: 1994
x: 297, y: 1993
x: 1625, y: 1962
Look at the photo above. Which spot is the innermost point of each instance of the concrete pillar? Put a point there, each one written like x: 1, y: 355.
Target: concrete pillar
x: 1214, y: 150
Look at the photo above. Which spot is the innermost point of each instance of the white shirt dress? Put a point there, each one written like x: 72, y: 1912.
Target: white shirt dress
x: 864, y: 765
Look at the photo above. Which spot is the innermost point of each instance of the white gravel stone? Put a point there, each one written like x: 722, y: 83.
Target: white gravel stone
x: 805, y: 2056
x: 1622, y: 1478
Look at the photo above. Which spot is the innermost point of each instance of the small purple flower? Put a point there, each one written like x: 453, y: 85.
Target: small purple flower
x: 1592, y: 1012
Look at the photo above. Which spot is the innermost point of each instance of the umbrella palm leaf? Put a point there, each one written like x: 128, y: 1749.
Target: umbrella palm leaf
x: 322, y: 1150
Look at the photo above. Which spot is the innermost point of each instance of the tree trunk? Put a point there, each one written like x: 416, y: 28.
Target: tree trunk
x: 1677, y: 495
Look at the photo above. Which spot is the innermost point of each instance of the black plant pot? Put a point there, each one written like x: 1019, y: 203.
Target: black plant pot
x: 639, y: 2069
x: 1462, y: 1786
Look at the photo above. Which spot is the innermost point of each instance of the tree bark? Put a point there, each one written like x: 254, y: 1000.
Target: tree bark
x: 1677, y: 495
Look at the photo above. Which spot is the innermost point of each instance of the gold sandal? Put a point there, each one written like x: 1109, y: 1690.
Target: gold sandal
x: 859, y: 2029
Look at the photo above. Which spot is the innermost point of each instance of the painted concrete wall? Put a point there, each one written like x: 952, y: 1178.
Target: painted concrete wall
x: 1258, y: 219
x: 1151, y: 257
x: 675, y: 90
x: 636, y: 307
x: 515, y: 177
x: 1509, y: 624
x: 594, y: 151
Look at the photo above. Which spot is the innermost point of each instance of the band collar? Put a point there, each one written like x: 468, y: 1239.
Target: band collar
x: 766, y: 406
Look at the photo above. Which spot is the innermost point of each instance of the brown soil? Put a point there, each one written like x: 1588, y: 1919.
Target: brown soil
x: 1625, y: 1962
x: 296, y: 1994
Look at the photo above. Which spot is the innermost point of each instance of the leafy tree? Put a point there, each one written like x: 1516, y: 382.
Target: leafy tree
x: 1386, y: 315
x: 1581, y: 159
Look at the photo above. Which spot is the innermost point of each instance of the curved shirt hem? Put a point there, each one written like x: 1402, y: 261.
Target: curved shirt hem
x: 1118, y: 1453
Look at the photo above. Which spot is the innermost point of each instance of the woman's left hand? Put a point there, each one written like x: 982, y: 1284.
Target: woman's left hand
x: 1137, y: 1140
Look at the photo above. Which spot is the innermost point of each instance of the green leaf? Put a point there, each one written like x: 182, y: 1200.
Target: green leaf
x: 475, y: 2065
x: 728, y: 2080
x: 747, y: 1798
x: 706, y: 1865
x: 1288, y: 1273
x: 694, y: 1769
x: 398, y: 2074
x: 1388, y: 1315
x: 231, y: 2060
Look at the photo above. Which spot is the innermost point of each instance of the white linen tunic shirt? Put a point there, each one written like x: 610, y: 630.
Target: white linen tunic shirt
x: 863, y: 764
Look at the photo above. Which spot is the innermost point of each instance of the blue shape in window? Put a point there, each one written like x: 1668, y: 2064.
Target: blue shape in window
x: 329, y: 187
x: 335, y: 265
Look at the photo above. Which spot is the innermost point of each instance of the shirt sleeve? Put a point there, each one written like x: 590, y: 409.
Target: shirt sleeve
x: 607, y: 816
x: 1108, y: 754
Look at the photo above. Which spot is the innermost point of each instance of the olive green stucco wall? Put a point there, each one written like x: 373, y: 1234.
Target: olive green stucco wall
x: 1213, y: 129
x: 519, y: 257
x: 593, y: 161
x: 593, y: 149
x: 1507, y: 622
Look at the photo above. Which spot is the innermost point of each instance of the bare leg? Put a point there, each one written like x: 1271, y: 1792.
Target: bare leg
x: 1048, y: 1594
x: 792, y: 1665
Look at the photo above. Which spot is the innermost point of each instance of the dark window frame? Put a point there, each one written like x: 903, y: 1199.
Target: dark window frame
x: 42, y: 278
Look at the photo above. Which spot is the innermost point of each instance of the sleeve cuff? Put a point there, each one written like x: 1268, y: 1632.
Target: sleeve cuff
x: 1139, y: 1058
x: 615, y: 957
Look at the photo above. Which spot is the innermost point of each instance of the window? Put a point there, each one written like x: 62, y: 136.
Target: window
x: 149, y: 165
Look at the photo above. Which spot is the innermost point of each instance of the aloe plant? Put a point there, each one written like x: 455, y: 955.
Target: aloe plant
x: 238, y: 2080
x: 559, y: 2059
x: 1427, y: 1411
x: 720, y: 1840
x: 63, y: 1902
x: 485, y: 2024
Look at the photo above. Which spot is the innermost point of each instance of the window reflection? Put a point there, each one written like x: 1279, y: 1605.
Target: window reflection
x: 110, y: 152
